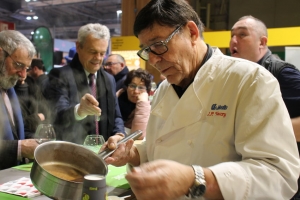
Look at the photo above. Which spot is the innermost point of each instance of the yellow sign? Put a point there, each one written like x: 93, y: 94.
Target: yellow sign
x: 284, y: 36
x: 277, y: 37
x: 217, y: 38
x: 124, y: 43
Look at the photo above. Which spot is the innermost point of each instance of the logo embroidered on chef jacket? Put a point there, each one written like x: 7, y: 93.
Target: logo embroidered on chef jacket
x: 215, y: 112
x: 219, y: 107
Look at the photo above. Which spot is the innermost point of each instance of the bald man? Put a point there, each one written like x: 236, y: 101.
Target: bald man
x: 115, y: 65
x: 249, y: 38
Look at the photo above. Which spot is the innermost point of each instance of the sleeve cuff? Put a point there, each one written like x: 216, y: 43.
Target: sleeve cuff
x: 77, y: 117
x: 19, y: 151
x: 141, y: 148
x: 229, y: 174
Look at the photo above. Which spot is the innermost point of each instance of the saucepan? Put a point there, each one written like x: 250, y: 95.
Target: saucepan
x: 59, y: 167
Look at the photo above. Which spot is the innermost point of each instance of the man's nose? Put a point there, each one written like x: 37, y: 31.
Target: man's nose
x: 233, y: 39
x: 153, y: 58
x: 99, y: 56
x: 22, y: 73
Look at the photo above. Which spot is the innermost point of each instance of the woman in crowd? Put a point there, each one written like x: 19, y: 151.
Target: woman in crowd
x: 133, y: 101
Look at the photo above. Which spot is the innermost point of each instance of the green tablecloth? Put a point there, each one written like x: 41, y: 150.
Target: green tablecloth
x: 5, y: 196
x: 25, y: 167
x: 115, y: 178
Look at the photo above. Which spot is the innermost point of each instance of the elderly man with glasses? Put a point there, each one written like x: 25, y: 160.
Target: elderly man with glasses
x: 115, y: 65
x: 16, y: 53
x: 218, y: 127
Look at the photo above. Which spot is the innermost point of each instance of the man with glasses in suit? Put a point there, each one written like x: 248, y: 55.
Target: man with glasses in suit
x: 16, y: 53
x: 115, y: 65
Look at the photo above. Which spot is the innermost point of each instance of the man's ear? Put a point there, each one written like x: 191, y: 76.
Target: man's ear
x: 77, y: 45
x: 193, y: 29
x: 122, y: 65
x: 263, y: 41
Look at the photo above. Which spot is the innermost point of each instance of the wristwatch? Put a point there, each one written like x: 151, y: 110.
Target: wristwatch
x: 198, y: 188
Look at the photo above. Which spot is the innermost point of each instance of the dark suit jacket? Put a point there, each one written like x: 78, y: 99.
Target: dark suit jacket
x: 28, y: 98
x: 67, y: 85
x: 9, y: 136
x: 120, y: 78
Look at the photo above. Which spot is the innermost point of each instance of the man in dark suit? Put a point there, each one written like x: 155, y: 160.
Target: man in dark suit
x: 37, y: 72
x: 71, y: 90
x: 16, y: 53
x: 115, y: 64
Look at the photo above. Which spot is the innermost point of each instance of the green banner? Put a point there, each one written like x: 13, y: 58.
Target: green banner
x: 43, y: 43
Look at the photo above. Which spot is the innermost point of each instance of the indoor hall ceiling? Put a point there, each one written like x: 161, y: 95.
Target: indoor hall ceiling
x: 62, y: 17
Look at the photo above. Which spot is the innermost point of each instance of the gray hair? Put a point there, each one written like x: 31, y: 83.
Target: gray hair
x: 120, y: 58
x: 10, y: 40
x: 97, y: 30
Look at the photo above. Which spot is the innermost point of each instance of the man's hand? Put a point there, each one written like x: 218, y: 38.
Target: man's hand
x: 27, y: 148
x: 125, y: 153
x: 41, y: 116
x: 161, y: 179
x: 111, y: 143
x: 88, y: 106
x: 119, y: 92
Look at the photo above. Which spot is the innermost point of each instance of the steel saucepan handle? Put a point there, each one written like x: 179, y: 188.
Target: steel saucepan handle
x: 107, y: 152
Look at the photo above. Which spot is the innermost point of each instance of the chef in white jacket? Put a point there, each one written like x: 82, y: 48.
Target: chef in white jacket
x: 218, y: 127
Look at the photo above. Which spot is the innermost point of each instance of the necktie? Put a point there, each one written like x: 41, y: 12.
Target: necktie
x: 8, y: 105
x: 92, y: 85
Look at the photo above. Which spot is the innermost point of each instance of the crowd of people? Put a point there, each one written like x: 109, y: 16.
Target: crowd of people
x: 218, y: 127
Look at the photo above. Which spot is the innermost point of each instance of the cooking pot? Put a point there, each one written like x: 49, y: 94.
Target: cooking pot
x: 59, y: 167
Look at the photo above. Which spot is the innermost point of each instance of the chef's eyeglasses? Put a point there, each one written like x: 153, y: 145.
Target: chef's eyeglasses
x: 18, y: 66
x: 139, y: 87
x: 157, y: 48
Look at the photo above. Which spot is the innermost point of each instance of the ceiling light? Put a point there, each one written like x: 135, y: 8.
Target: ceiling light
x: 28, y: 18
x: 27, y: 12
x: 27, y: 0
x: 119, y: 12
x: 35, y: 17
x: 32, y: 32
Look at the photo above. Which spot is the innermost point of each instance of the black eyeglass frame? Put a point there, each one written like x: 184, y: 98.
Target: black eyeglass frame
x: 18, y: 66
x: 164, y: 43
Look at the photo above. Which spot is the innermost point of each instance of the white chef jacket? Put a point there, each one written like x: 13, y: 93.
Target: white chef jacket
x: 232, y: 120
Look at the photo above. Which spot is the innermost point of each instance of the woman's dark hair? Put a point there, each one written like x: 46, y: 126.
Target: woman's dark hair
x: 172, y: 13
x: 139, y: 73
